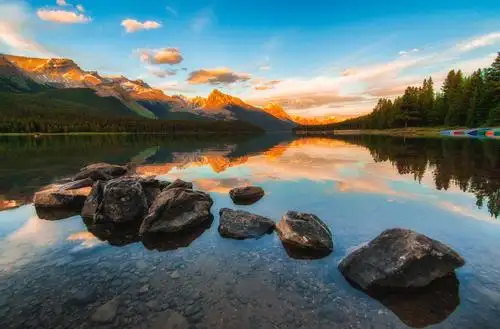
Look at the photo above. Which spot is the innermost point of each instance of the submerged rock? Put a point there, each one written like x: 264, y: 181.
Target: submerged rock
x: 425, y: 306
x: 169, y: 319
x: 246, y: 195
x: 101, y: 171
x: 177, y: 209
x: 57, y: 196
x: 239, y: 224
x: 305, y: 231
x: 106, y: 313
x: 399, y: 259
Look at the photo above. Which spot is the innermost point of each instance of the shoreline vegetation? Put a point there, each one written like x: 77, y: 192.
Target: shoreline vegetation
x: 464, y: 101
x: 402, y: 132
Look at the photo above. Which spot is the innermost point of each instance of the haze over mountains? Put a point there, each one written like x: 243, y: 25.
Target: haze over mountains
x: 118, y: 95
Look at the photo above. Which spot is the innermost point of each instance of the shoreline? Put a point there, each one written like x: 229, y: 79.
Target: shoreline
x: 403, y: 132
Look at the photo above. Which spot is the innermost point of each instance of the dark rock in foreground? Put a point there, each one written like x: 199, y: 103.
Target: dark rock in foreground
x: 101, y: 171
x: 238, y: 224
x: 176, y: 240
x: 246, y: 195
x: 305, y: 231
x: 177, y: 209
x: 399, y: 259
x: 122, y: 199
x: 59, y: 196
x: 425, y: 306
x: 180, y: 183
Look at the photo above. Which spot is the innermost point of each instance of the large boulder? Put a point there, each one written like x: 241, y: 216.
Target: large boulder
x: 123, y: 200
x: 246, y: 195
x: 61, y: 196
x: 180, y: 183
x: 177, y: 209
x: 305, y: 231
x: 101, y: 171
x: 239, y: 224
x: 399, y: 259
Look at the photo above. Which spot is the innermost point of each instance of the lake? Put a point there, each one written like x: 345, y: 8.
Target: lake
x: 55, y: 273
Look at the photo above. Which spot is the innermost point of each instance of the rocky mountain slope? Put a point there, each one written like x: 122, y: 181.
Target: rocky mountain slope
x: 34, y: 75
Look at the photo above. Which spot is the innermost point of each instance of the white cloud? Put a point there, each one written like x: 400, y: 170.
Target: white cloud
x: 14, y: 29
x: 265, y: 68
x: 80, y: 8
x: 402, y: 53
x: 478, y: 42
x: 62, y: 16
x: 169, y: 56
x: 132, y: 25
x: 61, y: 2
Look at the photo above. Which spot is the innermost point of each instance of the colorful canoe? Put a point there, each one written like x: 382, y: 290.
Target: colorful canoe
x: 475, y: 132
x: 493, y: 133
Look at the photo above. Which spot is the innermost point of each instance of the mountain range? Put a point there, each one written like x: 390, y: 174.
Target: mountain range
x: 55, y: 80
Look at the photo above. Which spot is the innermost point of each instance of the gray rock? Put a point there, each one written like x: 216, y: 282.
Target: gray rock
x: 82, y: 296
x: 305, y: 231
x: 175, y: 275
x: 101, y: 171
x: 106, y: 313
x: 176, y: 210
x: 399, y: 258
x: 169, y: 319
x: 55, y: 196
x: 73, y: 185
x: 180, y: 183
x: 144, y: 289
x: 239, y: 224
x: 246, y: 195
x: 93, y: 200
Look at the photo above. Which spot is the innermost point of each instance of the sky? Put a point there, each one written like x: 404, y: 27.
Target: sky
x: 318, y: 58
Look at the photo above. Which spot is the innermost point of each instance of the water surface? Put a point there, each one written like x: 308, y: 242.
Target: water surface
x: 56, y: 273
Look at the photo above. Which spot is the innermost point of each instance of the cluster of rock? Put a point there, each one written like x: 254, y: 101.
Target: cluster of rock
x: 170, y: 215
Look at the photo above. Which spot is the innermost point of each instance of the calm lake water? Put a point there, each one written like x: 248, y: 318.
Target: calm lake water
x: 55, y: 273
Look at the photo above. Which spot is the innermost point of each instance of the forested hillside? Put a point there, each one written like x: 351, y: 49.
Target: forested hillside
x: 465, y: 101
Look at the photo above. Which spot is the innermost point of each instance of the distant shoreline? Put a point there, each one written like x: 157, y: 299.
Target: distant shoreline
x: 404, y: 132
x: 130, y: 133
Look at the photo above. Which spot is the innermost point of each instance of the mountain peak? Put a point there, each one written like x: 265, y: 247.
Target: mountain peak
x: 276, y: 110
x: 217, y: 100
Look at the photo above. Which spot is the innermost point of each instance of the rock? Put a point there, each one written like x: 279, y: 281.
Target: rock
x: 144, y: 289
x: 169, y: 319
x: 399, y: 259
x: 305, y: 231
x: 180, y: 183
x: 101, y: 171
x: 175, y: 240
x: 176, y: 210
x: 92, y: 201
x: 73, y: 185
x: 54, y: 196
x: 239, y: 224
x: 175, y: 275
x: 123, y: 200
x: 152, y: 188
x: 246, y: 195
x: 106, y: 313
x: 425, y: 306
x: 82, y: 297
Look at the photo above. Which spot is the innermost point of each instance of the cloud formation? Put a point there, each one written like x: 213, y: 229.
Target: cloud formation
x: 80, y: 8
x: 172, y: 11
x: 216, y: 76
x: 163, y: 73
x: 132, y: 25
x: 14, y: 25
x: 203, y: 20
x: 478, y: 42
x: 61, y: 2
x: 265, y: 85
x: 169, y: 56
x: 62, y: 16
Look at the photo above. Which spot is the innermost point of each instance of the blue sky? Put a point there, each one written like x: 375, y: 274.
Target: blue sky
x: 318, y: 58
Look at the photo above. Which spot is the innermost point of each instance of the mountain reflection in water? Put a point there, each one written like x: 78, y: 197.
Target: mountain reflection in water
x: 448, y: 189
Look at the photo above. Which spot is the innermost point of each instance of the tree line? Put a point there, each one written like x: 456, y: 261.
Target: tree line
x: 463, y: 101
